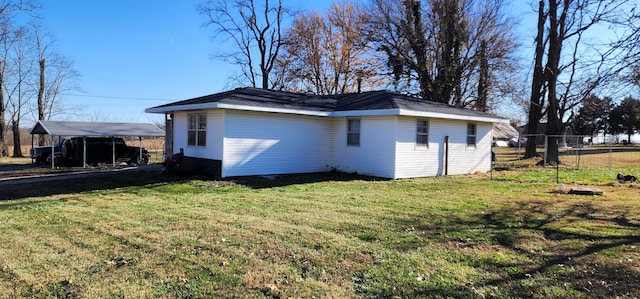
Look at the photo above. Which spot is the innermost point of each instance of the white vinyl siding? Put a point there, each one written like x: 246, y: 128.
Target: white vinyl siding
x: 416, y: 162
x: 375, y: 155
x: 268, y: 143
x: 261, y: 143
x: 413, y: 161
x: 214, y: 136
x: 461, y: 159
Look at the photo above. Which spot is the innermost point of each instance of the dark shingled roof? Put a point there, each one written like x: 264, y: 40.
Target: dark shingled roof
x: 377, y: 100
x: 262, y: 98
x: 372, y: 100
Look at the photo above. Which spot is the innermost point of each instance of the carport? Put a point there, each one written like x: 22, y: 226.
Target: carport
x: 93, y: 129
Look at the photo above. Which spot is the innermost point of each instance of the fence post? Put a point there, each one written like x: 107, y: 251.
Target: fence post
x: 546, y: 140
x: 579, y: 150
x: 518, y: 157
x: 610, y: 154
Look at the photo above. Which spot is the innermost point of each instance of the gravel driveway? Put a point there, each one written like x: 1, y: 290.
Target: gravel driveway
x: 20, y: 174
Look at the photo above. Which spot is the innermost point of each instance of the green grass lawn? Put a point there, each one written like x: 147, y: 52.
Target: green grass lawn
x: 321, y: 235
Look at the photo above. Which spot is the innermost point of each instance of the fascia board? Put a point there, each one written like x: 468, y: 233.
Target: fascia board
x: 235, y: 107
x: 271, y: 109
x: 453, y: 116
x: 352, y: 113
x: 404, y: 112
x: 181, y: 108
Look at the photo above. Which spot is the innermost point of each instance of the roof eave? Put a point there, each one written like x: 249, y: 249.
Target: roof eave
x: 217, y: 105
x: 405, y: 112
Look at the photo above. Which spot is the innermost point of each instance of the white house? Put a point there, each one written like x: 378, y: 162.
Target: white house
x: 249, y: 131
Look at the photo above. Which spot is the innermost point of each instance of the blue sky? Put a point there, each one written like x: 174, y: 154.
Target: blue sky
x: 132, y: 55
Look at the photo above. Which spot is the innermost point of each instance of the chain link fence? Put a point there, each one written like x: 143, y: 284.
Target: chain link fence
x: 582, y: 158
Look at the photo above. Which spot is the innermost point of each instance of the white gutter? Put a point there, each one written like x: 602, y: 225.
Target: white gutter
x: 352, y: 113
x: 427, y: 114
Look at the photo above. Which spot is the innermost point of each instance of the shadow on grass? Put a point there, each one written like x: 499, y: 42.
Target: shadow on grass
x: 575, y: 247
x: 83, y: 183
x: 113, y: 180
x: 261, y: 182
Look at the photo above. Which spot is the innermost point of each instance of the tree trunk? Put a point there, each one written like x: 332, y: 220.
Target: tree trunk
x: 3, y: 128
x: 483, y: 78
x: 535, y: 101
x: 41, y: 107
x: 551, y: 75
x: 418, y: 43
x: 17, y: 146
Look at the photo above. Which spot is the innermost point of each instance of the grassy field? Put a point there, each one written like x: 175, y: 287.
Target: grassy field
x: 145, y: 235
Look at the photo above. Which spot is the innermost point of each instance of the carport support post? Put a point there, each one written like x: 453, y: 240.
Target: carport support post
x: 84, y: 151
x: 32, y: 161
x: 139, y: 150
x: 113, y: 150
x: 53, y: 154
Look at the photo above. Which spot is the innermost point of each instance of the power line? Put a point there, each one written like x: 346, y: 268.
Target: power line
x: 114, y: 97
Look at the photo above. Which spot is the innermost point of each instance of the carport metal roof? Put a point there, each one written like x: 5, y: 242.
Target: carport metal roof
x: 95, y: 129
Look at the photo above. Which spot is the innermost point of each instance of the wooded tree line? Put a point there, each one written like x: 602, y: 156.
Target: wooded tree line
x: 32, y: 73
x: 460, y: 52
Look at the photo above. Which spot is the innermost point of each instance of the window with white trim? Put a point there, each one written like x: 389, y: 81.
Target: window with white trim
x: 197, y: 131
x: 422, y: 133
x: 471, y: 135
x: 353, y: 132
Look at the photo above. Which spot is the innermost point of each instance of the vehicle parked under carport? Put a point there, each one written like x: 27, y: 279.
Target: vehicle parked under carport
x: 102, y: 147
x: 100, y: 150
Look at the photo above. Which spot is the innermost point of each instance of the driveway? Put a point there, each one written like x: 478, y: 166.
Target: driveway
x: 45, y: 177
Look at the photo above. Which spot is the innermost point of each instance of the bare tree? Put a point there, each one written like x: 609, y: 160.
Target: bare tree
x: 3, y: 106
x: 17, y: 86
x: 7, y: 10
x: 536, y: 101
x: 55, y: 73
x: 446, y: 51
x: 256, y: 33
x: 328, y: 54
x: 42, y: 48
x: 574, y: 68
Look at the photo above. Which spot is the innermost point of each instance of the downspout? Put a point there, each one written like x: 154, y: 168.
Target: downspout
x: 446, y: 155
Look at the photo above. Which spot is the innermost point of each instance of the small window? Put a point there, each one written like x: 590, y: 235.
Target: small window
x: 353, y: 132
x: 471, y: 135
x: 197, y: 132
x: 422, y: 133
